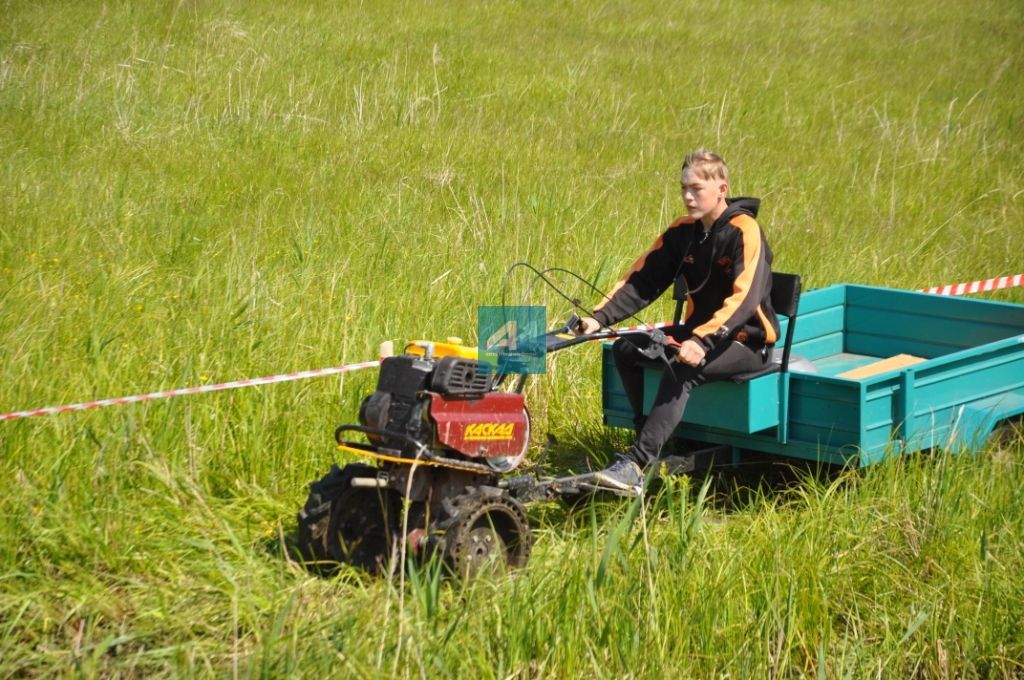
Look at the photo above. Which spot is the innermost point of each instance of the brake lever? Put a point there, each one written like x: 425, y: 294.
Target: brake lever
x: 657, y: 348
x: 570, y: 326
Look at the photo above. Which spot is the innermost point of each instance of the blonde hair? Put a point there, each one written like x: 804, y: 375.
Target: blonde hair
x: 706, y: 164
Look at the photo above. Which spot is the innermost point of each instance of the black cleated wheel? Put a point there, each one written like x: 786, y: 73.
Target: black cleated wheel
x: 485, y: 531
x: 345, y: 524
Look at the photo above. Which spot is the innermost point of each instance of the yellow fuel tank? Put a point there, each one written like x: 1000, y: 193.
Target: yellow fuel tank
x: 452, y: 347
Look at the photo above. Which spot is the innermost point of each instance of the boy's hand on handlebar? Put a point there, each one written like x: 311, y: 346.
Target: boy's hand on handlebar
x: 586, y: 326
x: 691, y: 353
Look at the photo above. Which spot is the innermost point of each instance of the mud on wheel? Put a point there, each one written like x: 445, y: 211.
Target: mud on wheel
x: 345, y: 524
x: 485, y: 530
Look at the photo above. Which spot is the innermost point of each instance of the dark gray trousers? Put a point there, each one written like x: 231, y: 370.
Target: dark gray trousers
x: 725, y: 361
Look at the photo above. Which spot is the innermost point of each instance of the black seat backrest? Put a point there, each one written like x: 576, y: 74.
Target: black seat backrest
x: 785, y: 293
x: 785, y: 300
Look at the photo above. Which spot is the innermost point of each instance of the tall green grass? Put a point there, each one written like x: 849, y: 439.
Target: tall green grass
x: 195, y: 192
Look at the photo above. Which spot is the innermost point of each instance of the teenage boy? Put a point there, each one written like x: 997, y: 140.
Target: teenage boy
x: 721, y: 253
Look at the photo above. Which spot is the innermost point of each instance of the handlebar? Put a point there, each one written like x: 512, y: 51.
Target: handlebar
x: 660, y: 346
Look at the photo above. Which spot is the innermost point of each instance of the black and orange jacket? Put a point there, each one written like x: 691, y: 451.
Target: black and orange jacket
x: 728, y: 275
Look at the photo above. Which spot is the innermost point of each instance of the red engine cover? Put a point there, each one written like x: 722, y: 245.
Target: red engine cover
x: 495, y: 425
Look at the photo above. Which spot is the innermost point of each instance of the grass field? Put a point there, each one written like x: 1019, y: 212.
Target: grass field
x: 193, y: 192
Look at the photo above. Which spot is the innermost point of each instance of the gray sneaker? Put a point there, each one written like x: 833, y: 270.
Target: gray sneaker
x: 623, y: 474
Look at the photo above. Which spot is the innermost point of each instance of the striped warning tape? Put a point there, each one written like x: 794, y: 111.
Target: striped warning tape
x: 249, y: 382
x: 645, y: 326
x: 985, y: 285
x: 996, y: 283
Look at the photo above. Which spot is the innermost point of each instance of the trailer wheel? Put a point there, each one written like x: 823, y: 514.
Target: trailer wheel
x: 485, y: 532
x: 1007, y: 432
x: 342, y: 524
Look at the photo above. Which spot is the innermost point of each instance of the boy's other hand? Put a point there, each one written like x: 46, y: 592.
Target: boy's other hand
x: 691, y: 353
x: 586, y: 326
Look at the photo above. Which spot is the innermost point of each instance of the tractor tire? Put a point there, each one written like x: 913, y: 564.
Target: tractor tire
x: 484, y: 531
x: 342, y: 524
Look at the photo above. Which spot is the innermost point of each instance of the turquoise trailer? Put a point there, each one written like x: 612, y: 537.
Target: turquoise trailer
x: 888, y: 372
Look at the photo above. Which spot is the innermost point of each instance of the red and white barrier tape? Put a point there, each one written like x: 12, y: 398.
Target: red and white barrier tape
x: 284, y: 377
x: 985, y: 285
x: 645, y: 326
x: 996, y: 283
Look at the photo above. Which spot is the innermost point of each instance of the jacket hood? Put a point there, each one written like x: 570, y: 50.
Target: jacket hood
x: 740, y: 204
